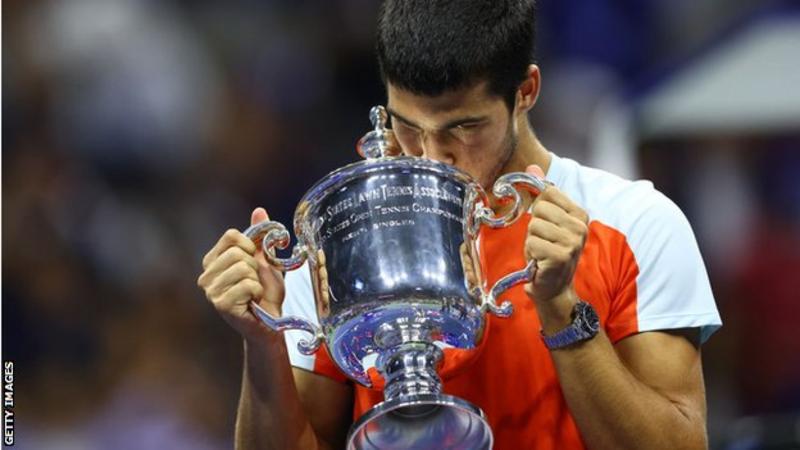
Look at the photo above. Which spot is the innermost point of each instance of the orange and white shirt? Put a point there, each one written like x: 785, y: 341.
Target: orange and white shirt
x: 640, y: 268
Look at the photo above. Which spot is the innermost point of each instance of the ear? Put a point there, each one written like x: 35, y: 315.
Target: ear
x: 528, y: 91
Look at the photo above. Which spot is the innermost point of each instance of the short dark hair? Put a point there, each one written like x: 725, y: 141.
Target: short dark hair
x: 428, y: 47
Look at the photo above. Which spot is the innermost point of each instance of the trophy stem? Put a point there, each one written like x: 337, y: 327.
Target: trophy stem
x: 415, y: 413
x: 410, y: 370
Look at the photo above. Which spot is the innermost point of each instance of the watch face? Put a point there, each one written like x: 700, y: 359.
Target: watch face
x: 590, y: 321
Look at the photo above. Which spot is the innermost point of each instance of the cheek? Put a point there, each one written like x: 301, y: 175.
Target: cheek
x: 482, y: 156
x: 479, y: 166
x: 488, y: 143
x: 487, y: 161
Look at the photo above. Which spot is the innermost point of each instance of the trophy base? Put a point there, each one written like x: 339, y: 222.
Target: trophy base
x: 420, y: 422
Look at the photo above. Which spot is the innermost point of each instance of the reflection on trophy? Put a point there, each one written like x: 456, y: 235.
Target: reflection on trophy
x: 392, y: 246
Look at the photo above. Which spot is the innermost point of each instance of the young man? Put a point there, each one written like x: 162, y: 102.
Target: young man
x: 460, y: 82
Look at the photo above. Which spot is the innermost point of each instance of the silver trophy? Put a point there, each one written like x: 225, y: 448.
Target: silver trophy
x: 391, y: 245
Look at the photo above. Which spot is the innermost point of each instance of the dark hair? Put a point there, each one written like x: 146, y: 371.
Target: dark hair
x: 431, y: 46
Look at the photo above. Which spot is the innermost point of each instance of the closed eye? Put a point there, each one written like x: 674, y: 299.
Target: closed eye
x: 398, y: 123
x: 468, y: 126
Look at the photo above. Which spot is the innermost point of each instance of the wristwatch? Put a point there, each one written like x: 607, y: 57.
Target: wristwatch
x: 585, y: 325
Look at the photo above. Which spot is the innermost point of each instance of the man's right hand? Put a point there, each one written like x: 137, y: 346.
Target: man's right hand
x: 236, y: 272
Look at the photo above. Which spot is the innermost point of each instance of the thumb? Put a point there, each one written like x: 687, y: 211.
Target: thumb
x: 259, y: 215
x: 534, y: 170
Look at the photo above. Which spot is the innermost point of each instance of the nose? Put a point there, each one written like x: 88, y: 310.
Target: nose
x: 435, y: 148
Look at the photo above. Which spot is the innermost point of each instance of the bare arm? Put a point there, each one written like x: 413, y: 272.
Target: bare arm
x: 285, y: 408
x: 647, y: 392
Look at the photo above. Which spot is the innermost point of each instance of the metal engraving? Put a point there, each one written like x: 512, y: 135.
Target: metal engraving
x: 392, y: 243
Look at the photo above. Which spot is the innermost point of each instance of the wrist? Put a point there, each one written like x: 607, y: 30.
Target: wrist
x: 555, y: 314
x: 262, y: 339
x: 252, y: 329
x: 585, y: 325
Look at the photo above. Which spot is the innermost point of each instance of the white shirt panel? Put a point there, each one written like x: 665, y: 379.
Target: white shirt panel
x: 299, y: 301
x: 673, y: 290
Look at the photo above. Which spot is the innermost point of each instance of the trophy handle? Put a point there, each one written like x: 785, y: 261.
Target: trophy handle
x: 271, y: 234
x: 503, y: 284
x: 508, y: 186
x: 292, y: 323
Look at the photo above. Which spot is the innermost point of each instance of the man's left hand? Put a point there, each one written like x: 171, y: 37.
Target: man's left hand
x: 556, y: 235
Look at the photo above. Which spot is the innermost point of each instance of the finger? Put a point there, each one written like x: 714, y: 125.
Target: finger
x: 239, y: 295
x: 530, y: 289
x: 544, y: 209
x: 231, y: 238
x: 535, y: 170
x: 324, y: 287
x: 543, y: 251
x: 547, y: 231
x: 321, y: 257
x: 228, y: 258
x: 463, y: 250
x: 231, y: 276
x: 555, y: 214
x: 259, y: 215
x: 554, y: 195
x: 274, y: 289
x: 323, y: 274
x: 468, y: 266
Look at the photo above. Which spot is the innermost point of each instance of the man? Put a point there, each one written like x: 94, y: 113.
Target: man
x: 460, y: 82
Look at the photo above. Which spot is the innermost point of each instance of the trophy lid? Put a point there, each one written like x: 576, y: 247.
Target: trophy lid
x: 375, y: 144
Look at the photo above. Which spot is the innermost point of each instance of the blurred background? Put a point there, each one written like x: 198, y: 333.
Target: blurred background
x: 135, y: 132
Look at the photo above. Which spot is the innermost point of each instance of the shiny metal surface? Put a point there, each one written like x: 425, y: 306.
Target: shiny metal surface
x: 422, y: 422
x: 508, y: 186
x: 384, y: 240
x: 273, y: 234
x: 393, y: 240
x: 292, y: 323
x: 395, y: 267
x: 374, y: 145
x: 269, y: 235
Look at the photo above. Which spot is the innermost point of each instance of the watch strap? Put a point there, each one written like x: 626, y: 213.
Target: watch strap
x: 575, y: 332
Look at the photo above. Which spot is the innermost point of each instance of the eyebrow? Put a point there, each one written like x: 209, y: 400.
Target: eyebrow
x: 452, y: 124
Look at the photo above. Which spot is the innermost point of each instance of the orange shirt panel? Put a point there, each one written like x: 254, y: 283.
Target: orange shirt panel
x: 511, y: 376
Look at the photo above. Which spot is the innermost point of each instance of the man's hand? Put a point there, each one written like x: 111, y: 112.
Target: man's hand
x: 234, y: 273
x: 556, y: 235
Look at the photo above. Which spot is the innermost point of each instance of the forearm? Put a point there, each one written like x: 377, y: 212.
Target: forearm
x: 270, y: 414
x: 615, y: 410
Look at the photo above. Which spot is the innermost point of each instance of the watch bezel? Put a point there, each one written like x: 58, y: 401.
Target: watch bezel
x: 589, y: 320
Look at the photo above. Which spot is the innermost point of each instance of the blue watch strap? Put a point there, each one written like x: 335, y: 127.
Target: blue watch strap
x: 577, y: 331
x: 563, y: 338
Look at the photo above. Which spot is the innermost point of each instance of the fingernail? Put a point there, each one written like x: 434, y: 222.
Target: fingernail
x: 534, y: 169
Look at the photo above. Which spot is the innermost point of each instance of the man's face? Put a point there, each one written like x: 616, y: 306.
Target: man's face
x: 468, y: 128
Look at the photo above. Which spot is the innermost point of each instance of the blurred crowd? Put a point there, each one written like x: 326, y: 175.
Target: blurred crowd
x: 135, y: 132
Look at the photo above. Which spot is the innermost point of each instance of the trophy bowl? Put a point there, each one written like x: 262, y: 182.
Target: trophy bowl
x: 391, y: 242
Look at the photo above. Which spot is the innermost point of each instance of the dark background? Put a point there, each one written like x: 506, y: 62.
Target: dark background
x: 135, y: 132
